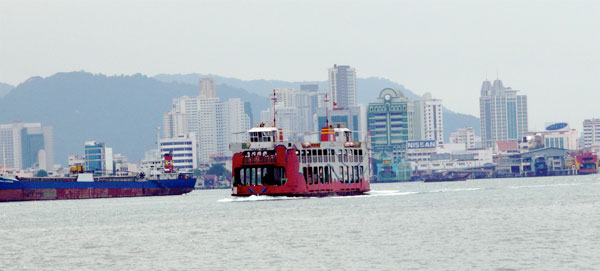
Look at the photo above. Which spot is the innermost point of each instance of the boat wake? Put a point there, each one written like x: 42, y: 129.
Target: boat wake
x: 545, y: 185
x: 258, y: 198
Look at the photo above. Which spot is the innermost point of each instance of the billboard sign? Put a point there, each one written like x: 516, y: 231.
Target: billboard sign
x: 423, y: 144
x: 557, y: 126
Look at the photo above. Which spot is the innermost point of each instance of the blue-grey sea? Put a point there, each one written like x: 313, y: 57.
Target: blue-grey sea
x: 550, y: 223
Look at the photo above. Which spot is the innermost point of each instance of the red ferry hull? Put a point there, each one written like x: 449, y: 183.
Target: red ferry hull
x: 296, y: 184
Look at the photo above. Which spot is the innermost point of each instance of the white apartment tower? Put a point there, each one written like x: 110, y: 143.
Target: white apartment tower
x: 342, y: 86
x: 503, y: 113
x: 210, y: 120
x: 183, y: 149
x: 464, y: 136
x: 433, y: 121
x: 591, y: 132
x: 208, y: 88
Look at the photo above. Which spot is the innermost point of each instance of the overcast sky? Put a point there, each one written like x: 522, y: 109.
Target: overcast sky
x: 548, y: 50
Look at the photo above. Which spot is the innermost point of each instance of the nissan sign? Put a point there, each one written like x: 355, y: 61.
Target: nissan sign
x: 425, y: 144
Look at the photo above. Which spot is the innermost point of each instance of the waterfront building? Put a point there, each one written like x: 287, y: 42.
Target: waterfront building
x: 95, y: 157
x: 183, y: 149
x: 591, y: 132
x: 26, y: 145
x: 560, y: 135
x: 393, y: 120
x: 342, y: 86
x: 503, y: 113
x: 464, y: 136
x: 432, y: 126
x: 208, y: 88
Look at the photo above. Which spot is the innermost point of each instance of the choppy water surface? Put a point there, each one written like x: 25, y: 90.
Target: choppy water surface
x: 501, y: 224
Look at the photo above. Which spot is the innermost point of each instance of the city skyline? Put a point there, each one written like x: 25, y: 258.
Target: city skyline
x: 438, y: 47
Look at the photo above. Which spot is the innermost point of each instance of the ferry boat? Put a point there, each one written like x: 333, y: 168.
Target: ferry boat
x: 268, y: 165
x: 161, y: 181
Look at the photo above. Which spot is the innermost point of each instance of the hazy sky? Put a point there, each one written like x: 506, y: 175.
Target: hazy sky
x: 548, y: 50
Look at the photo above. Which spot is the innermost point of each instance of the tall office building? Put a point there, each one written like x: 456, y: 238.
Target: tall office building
x: 503, y: 113
x: 342, y: 86
x: 295, y: 110
x: 208, y: 88
x: 237, y: 122
x: 26, y: 145
x: 393, y: 120
x: 214, y: 123
x: 591, y: 132
x: 432, y: 119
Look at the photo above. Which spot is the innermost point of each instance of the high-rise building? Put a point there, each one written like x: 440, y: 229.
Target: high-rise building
x: 208, y: 89
x: 213, y: 122
x: 503, y: 113
x: 432, y: 119
x: 237, y: 122
x: 342, y: 86
x: 464, y: 136
x: 295, y: 110
x: 392, y: 122
x: 591, y: 132
x: 26, y: 145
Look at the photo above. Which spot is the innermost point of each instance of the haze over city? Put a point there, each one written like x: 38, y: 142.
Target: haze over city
x: 546, y: 50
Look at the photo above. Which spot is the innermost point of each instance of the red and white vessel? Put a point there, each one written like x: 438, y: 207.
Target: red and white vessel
x: 268, y: 165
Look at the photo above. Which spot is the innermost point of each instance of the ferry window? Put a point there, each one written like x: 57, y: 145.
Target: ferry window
x: 347, y: 177
x: 258, y: 176
x: 340, y: 159
x: 320, y: 154
x: 356, y: 175
x: 326, y: 155
x: 252, y: 180
x: 305, y: 173
x: 332, y: 153
x: 310, y: 175
x: 321, y: 175
x: 353, y: 176
x: 303, y: 155
x: 362, y: 173
x: 315, y: 175
x: 341, y: 174
x: 327, y: 175
x: 308, y: 156
x: 237, y: 177
x: 360, y: 154
x: 346, y: 156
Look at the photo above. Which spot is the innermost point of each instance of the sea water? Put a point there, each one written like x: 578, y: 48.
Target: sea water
x: 550, y: 223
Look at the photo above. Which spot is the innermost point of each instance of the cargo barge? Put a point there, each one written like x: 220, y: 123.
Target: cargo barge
x: 86, y: 186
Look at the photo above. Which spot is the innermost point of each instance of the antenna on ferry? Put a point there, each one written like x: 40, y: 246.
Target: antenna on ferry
x: 326, y: 111
x: 274, y: 110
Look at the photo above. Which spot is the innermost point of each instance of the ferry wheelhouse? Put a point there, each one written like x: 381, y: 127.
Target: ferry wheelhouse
x: 268, y: 165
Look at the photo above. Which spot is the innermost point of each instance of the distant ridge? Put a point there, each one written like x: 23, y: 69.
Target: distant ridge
x: 5, y: 89
x: 122, y: 111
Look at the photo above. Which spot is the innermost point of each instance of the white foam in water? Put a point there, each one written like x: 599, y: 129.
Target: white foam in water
x: 545, y: 185
x: 258, y: 198
x: 456, y: 189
